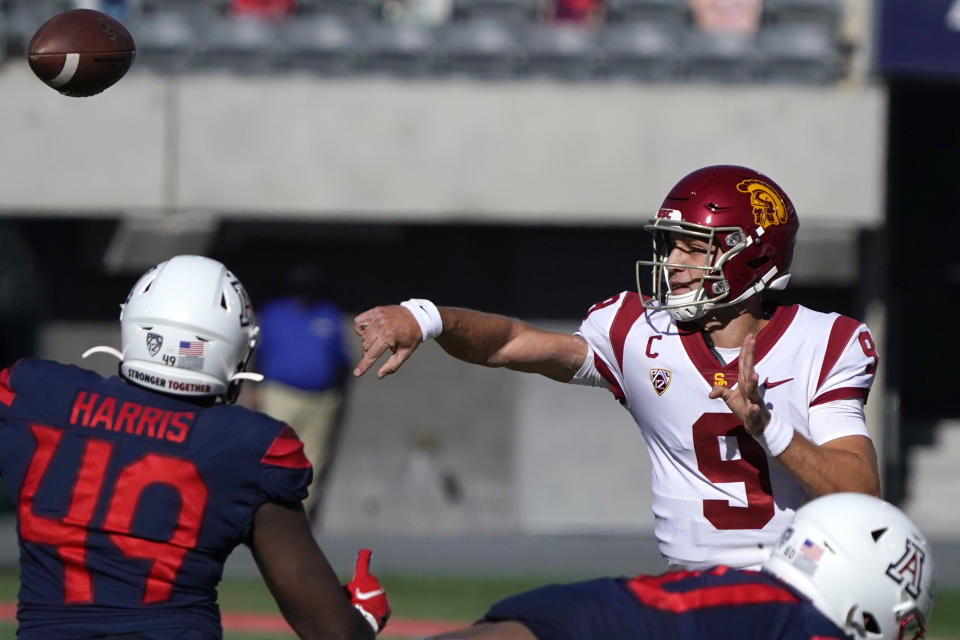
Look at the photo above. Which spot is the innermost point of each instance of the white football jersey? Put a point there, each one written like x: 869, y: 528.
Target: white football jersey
x: 717, y: 497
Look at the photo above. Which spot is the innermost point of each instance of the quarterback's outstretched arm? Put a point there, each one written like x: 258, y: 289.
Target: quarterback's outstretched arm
x: 472, y: 336
x: 844, y: 464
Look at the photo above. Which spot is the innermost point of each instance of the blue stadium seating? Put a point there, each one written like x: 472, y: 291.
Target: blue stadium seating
x: 567, y: 52
x: 326, y: 45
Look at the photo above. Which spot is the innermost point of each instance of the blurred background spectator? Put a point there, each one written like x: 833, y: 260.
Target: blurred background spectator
x: 263, y: 8
x: 302, y: 356
x: 737, y: 17
x: 582, y: 12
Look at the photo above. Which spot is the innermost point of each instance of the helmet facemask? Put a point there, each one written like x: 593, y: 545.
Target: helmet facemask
x: 713, y: 290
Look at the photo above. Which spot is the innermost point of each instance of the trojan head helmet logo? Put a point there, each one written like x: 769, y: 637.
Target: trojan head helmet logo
x: 154, y: 342
x: 768, y: 206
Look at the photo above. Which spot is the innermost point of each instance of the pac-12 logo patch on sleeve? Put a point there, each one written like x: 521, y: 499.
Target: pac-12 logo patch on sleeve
x: 908, y: 570
x: 660, y: 378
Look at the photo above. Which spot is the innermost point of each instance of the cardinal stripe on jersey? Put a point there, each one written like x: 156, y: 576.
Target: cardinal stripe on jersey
x: 846, y: 393
x: 286, y: 451
x: 840, y: 334
x: 6, y: 393
x: 652, y: 593
x: 630, y: 310
x: 615, y: 387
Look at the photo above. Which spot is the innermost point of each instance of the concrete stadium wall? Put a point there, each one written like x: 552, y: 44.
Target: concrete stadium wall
x: 427, y: 150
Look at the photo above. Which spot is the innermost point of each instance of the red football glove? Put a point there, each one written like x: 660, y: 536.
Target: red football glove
x: 366, y: 594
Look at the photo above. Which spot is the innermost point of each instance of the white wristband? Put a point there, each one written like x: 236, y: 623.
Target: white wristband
x: 427, y: 316
x: 368, y: 617
x: 776, y: 437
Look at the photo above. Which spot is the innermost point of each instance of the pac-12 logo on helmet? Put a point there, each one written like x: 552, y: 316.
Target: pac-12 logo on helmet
x: 768, y: 207
x: 154, y: 342
x: 909, y: 569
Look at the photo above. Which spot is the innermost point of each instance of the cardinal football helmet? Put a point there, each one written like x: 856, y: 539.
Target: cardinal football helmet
x: 747, y: 221
x: 863, y: 563
x: 187, y: 328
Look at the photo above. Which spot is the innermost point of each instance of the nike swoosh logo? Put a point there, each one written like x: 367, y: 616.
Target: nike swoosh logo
x: 366, y: 595
x: 770, y: 385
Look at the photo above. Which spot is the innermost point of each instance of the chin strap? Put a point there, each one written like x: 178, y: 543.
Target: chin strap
x: 102, y: 349
x: 246, y: 375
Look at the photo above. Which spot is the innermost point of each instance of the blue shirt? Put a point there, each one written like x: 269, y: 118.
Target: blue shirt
x: 301, y: 345
x: 129, y: 501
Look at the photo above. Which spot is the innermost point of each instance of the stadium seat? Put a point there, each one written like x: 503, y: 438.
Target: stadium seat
x: 166, y: 41
x: 513, y: 12
x: 720, y: 58
x: 25, y: 16
x: 360, y: 10
x: 824, y: 13
x: 325, y: 45
x: 244, y: 45
x: 639, y: 51
x: 398, y: 50
x: 799, y: 54
x: 481, y: 48
x: 669, y: 13
x: 559, y: 51
x: 191, y: 9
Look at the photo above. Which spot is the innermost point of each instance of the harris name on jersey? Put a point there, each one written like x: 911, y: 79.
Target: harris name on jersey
x: 94, y: 410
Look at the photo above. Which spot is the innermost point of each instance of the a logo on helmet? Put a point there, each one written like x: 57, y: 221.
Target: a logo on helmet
x: 660, y: 378
x: 768, y: 207
x: 909, y: 568
x: 154, y: 342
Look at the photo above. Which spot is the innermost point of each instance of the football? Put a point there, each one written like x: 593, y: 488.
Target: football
x: 81, y: 52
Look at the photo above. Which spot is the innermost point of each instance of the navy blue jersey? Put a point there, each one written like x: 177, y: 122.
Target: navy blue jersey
x: 718, y: 604
x: 130, y: 501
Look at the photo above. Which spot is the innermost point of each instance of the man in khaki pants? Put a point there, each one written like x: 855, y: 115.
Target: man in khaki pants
x: 302, y: 356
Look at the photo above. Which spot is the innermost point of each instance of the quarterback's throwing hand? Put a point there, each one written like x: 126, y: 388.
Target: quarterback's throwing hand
x: 366, y: 594
x: 383, y: 328
x: 745, y: 400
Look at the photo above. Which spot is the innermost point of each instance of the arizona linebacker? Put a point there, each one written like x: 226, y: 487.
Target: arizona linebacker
x: 131, y: 491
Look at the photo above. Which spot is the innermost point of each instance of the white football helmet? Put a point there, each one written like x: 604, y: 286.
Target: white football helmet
x: 863, y: 563
x: 187, y: 328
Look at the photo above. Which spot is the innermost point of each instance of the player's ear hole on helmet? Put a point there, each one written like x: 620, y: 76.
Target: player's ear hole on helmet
x: 758, y: 262
x: 870, y: 623
x: 223, y: 301
x: 876, y: 533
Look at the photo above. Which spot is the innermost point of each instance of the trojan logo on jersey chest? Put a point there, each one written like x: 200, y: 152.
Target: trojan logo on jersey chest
x: 660, y: 379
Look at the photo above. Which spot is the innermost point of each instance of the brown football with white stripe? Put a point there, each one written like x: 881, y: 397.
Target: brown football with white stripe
x: 81, y: 52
